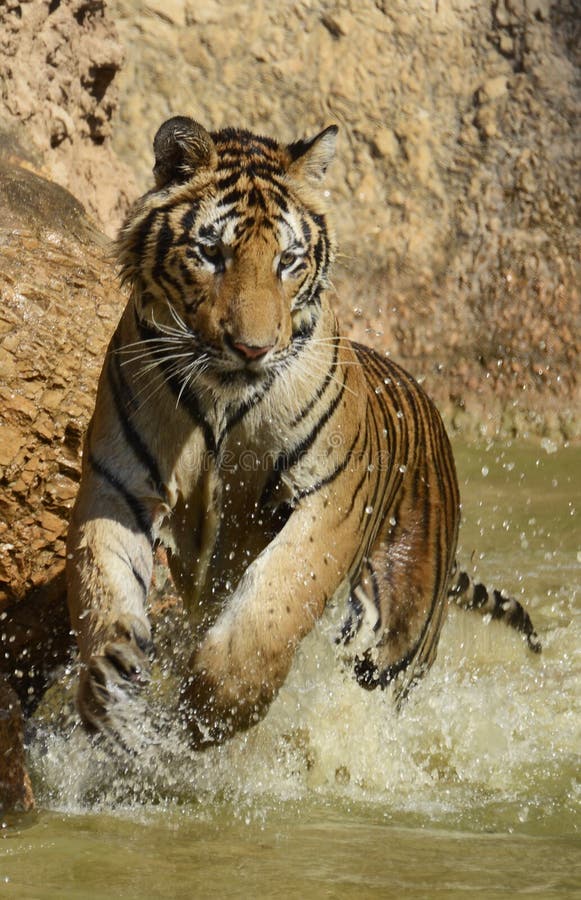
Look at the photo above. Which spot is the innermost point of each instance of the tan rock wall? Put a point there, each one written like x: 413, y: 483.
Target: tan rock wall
x: 58, y: 65
x: 456, y: 188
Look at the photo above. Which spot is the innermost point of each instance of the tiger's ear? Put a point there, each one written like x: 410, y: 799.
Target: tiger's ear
x: 311, y: 158
x: 181, y: 148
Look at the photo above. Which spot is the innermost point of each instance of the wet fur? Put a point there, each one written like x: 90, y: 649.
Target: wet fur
x: 280, y: 463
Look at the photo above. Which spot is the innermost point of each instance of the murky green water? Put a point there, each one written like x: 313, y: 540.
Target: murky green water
x: 474, y: 789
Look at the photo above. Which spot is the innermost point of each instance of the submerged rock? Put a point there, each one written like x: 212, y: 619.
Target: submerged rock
x: 15, y: 788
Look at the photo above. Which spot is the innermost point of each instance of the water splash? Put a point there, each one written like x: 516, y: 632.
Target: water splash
x: 490, y: 740
x: 491, y: 726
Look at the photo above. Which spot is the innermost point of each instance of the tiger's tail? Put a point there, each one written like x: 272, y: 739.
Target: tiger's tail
x: 470, y: 595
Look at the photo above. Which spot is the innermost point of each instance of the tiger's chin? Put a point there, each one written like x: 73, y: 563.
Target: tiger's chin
x: 237, y: 375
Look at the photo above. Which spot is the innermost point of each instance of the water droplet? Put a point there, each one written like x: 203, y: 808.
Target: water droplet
x: 399, y: 414
x: 392, y: 520
x: 402, y: 469
x: 368, y: 510
x: 484, y: 471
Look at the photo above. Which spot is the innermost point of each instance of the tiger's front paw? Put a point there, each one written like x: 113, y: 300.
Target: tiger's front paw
x: 111, y: 680
x: 227, y: 690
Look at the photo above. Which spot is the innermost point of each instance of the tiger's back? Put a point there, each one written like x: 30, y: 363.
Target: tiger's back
x: 280, y: 463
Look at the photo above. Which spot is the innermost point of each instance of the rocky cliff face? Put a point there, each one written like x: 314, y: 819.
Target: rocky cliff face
x: 455, y: 190
x: 58, y: 65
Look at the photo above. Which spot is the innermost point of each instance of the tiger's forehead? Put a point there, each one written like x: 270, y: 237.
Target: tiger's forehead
x: 250, y: 193
x: 245, y: 219
x: 240, y: 149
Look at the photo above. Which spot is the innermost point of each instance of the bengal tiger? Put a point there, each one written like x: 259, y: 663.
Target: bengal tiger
x: 281, y: 464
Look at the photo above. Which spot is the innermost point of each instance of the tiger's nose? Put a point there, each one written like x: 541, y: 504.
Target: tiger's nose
x: 250, y: 351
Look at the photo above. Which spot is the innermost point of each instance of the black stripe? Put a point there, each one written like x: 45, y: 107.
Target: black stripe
x: 328, y: 479
x: 187, y: 398
x: 164, y: 241
x: 390, y: 440
x: 370, y: 677
x: 380, y: 484
x: 186, y: 276
x: 228, y: 181
x: 124, y: 402
x: 139, y: 581
x: 235, y: 416
x: 305, y: 331
x: 356, y: 492
x: 256, y: 198
x: 186, y: 223
x: 141, y: 234
x: 278, y: 195
x: 231, y: 198
x: 137, y: 508
x: 479, y: 596
x: 320, y: 390
x: 244, y: 141
x: 189, y: 401
x: 287, y: 460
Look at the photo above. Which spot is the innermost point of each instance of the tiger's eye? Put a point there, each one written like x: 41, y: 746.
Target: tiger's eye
x: 211, y: 251
x: 287, y: 259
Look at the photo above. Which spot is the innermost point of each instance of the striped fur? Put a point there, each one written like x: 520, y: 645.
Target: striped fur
x: 496, y: 605
x: 281, y: 464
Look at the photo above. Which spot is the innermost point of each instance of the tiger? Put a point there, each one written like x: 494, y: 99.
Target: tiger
x: 282, y: 466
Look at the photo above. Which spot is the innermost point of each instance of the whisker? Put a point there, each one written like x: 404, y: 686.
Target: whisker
x: 192, y: 375
x: 168, y: 357
x: 175, y: 370
x: 319, y: 367
x: 151, y: 345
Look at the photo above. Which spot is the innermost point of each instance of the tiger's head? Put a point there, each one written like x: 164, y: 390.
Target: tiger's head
x: 231, y: 247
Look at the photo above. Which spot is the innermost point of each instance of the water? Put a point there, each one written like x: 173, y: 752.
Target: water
x: 473, y: 789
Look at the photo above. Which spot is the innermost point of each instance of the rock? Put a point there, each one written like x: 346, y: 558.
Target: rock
x: 493, y: 89
x: 15, y: 788
x: 386, y: 144
x: 54, y: 262
x: 59, y: 62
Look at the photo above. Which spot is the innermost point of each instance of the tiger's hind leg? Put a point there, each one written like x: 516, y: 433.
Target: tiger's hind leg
x: 402, y: 593
x: 473, y: 596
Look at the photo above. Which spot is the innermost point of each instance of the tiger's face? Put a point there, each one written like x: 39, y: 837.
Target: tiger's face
x: 231, y: 249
